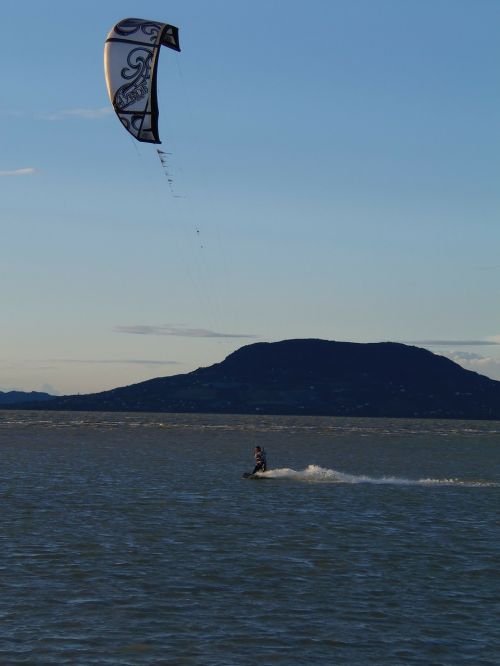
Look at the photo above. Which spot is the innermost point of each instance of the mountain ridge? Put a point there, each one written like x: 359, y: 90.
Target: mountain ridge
x: 311, y: 377
x: 14, y: 397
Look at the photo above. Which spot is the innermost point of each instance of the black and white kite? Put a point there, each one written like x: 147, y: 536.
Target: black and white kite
x: 130, y: 62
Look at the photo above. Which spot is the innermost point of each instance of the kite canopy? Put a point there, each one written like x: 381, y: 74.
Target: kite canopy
x: 130, y: 62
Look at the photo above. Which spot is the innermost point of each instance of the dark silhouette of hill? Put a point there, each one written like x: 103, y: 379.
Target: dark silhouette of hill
x: 311, y: 377
x: 14, y: 397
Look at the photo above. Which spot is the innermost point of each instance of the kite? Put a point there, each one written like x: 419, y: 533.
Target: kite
x: 130, y: 63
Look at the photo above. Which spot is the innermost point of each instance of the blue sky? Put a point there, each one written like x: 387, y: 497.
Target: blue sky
x: 336, y: 171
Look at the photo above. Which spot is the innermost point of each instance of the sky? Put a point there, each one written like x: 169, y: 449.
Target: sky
x: 335, y: 168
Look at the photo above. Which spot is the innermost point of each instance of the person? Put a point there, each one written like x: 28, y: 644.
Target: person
x: 260, y: 460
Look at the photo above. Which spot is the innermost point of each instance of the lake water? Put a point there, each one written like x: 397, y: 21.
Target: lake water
x: 133, y: 539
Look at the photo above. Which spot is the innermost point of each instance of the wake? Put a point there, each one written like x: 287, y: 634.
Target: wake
x: 317, y: 474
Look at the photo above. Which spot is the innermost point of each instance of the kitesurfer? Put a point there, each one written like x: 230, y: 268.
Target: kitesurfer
x: 260, y: 460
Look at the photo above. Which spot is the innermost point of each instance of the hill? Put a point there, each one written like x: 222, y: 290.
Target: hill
x: 14, y: 397
x: 311, y: 377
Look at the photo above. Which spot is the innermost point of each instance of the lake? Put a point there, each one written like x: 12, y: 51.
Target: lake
x: 133, y: 539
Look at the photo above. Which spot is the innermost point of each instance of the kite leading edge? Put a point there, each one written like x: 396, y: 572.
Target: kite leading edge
x: 130, y: 62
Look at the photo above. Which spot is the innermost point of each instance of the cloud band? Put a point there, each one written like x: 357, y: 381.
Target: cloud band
x: 180, y: 331
x: 27, y: 171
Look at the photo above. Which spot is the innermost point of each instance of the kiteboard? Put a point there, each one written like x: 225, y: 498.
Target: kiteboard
x: 249, y: 475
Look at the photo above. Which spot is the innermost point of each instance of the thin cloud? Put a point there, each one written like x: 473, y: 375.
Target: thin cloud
x: 115, y: 361
x: 463, y: 356
x: 27, y: 171
x: 48, y: 388
x: 53, y: 363
x: 180, y: 331
x: 86, y: 114
x: 456, y: 343
x: 484, y: 365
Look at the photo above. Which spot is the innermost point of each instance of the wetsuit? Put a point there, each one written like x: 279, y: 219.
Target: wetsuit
x: 260, y: 461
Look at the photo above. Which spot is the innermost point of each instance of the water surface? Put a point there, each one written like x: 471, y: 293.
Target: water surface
x: 132, y: 539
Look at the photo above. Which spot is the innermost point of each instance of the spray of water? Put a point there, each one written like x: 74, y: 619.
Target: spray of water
x: 317, y: 474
